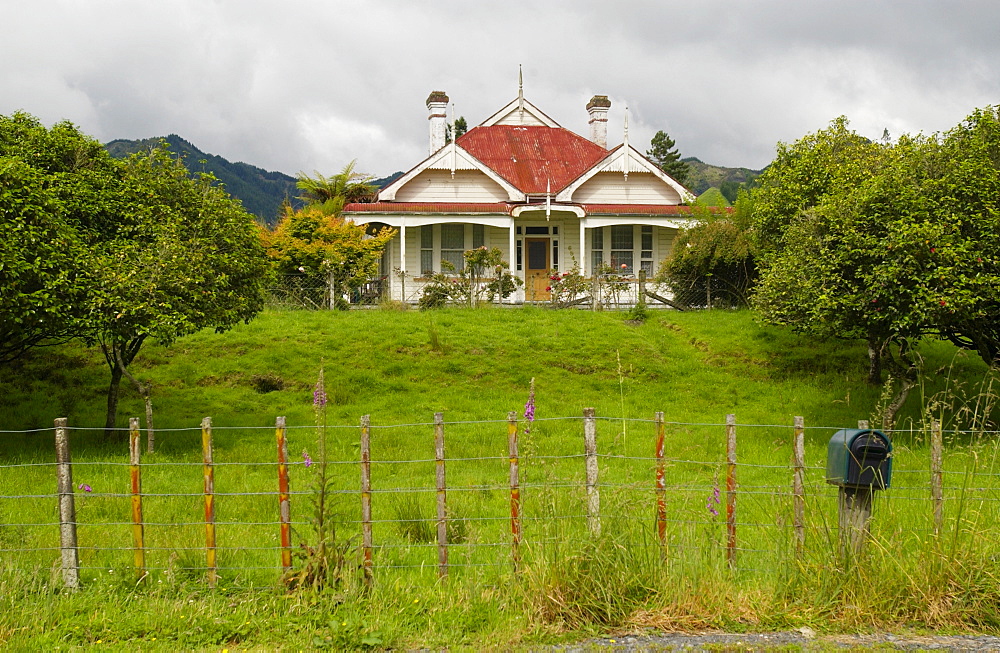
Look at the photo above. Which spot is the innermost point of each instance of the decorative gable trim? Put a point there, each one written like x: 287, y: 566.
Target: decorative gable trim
x: 520, y: 112
x: 450, y: 157
x: 624, y: 159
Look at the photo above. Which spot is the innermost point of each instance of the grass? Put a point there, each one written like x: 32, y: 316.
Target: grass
x: 475, y: 367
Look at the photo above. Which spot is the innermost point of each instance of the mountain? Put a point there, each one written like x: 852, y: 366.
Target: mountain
x: 260, y: 191
x: 703, y: 176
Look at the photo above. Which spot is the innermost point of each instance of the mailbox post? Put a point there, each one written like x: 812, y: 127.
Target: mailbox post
x: 859, y: 462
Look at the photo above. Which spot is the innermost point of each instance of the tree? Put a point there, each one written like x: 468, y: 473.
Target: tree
x: 185, y: 256
x: 333, y: 192
x: 57, y: 198
x: 460, y: 128
x: 894, y: 242
x: 322, y: 245
x: 712, y: 263
x: 663, y: 153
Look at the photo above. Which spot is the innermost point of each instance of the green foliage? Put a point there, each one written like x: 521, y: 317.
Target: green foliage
x: 887, y: 242
x: 116, y: 252
x: 323, y: 553
x: 327, y: 248
x: 803, y: 174
x: 471, y: 286
x: 663, y: 153
x: 730, y: 190
x: 57, y: 199
x: 333, y: 192
x: 461, y: 126
x: 713, y: 262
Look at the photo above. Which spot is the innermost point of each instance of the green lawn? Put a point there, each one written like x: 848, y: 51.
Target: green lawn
x: 400, y: 367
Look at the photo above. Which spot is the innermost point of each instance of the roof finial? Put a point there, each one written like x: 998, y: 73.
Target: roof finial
x: 520, y: 90
x: 625, y: 145
x: 454, y: 138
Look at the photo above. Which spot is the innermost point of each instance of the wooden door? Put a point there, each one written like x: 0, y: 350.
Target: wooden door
x: 536, y: 275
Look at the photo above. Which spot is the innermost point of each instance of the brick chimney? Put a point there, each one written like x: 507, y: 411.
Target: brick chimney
x: 598, y: 110
x: 437, y: 108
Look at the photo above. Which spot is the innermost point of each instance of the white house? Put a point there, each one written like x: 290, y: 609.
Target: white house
x: 548, y: 198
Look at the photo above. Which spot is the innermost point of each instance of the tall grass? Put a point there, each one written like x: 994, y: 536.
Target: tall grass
x: 475, y: 366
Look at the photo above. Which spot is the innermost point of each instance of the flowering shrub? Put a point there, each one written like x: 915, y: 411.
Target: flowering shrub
x: 567, y: 288
x: 614, y: 283
x: 471, y: 286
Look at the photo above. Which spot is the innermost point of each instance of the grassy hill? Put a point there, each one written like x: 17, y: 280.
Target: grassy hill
x: 261, y: 192
x: 694, y: 366
x: 475, y: 366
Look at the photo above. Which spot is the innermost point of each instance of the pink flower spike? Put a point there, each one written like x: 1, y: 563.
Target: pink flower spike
x: 85, y: 487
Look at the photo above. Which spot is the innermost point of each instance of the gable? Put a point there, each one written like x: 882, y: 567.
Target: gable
x: 452, y: 160
x: 610, y: 178
x: 614, y: 188
x: 440, y: 186
x: 520, y: 112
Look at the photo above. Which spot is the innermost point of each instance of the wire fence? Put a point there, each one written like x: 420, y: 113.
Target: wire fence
x: 310, y: 292
x: 231, y: 505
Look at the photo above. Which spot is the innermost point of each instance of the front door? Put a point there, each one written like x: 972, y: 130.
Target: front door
x: 536, y: 275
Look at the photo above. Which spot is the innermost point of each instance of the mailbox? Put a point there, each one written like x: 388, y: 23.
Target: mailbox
x: 859, y: 458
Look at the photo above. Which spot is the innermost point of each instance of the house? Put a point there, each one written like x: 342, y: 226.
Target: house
x: 548, y: 198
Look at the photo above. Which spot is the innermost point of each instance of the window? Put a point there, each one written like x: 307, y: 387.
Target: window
x: 426, y: 250
x: 518, y: 253
x: 622, y: 246
x: 453, y: 244
x: 555, y: 254
x: 597, y: 248
x: 478, y: 236
x: 646, y: 251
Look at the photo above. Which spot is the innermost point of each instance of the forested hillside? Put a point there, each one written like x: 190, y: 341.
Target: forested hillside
x: 260, y: 191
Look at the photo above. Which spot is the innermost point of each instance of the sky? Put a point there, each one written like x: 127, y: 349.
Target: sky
x: 309, y: 85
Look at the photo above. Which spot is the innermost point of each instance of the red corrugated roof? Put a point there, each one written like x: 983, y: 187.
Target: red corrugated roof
x: 531, y: 157
x: 427, y: 207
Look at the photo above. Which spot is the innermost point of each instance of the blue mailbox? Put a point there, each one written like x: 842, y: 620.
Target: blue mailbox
x: 859, y: 458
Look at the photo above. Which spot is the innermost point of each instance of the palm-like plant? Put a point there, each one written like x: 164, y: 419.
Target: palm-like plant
x: 333, y: 192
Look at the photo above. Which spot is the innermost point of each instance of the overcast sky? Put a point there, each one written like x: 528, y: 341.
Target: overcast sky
x: 311, y: 84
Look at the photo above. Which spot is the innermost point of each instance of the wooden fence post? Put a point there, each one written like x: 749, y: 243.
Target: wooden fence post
x: 595, y: 287
x: 798, y: 485
x: 284, y: 497
x: 67, y: 508
x: 593, y: 492
x: 854, y: 511
x: 515, y: 490
x: 661, y: 487
x: 937, y: 491
x: 366, y: 499
x: 731, y: 489
x: 209, y: 476
x: 442, y: 500
x: 138, y: 539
